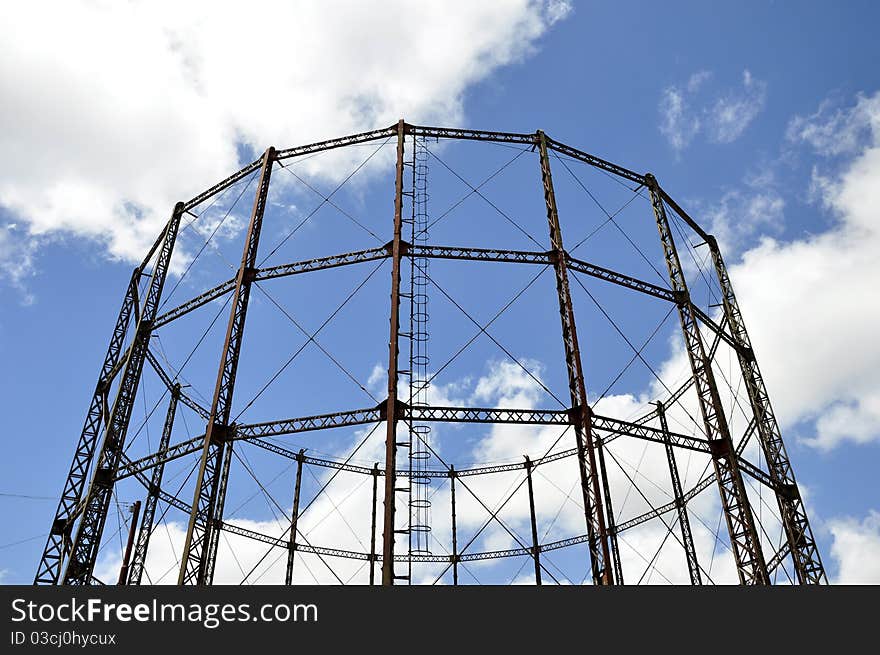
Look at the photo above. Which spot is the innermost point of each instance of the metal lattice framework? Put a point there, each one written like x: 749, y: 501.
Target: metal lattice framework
x: 100, y: 460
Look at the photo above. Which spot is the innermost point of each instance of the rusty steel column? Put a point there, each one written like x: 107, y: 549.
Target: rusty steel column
x: 294, y: 518
x: 536, y: 551
x: 600, y: 550
x: 454, y: 528
x: 199, y: 549
x: 392, y: 405
x: 746, y: 545
x: 684, y: 524
x: 609, y: 510
x: 802, y: 544
x: 139, y: 559
x: 84, y: 553
x: 375, y: 474
x: 126, y: 558
x: 58, y: 543
x: 219, y: 505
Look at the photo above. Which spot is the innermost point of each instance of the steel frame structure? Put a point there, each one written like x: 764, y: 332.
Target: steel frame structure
x: 99, y: 462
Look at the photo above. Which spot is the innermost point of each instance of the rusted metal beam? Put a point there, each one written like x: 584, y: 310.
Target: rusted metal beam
x: 294, y: 519
x: 84, y: 552
x: 373, y: 557
x: 58, y: 542
x: 199, y: 548
x: 391, y: 408
x: 126, y: 557
x: 684, y: 524
x: 139, y: 560
x: 591, y: 486
x: 799, y: 535
x: 745, y: 543
x: 536, y: 548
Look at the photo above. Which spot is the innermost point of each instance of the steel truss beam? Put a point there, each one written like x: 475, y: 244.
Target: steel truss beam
x: 684, y: 524
x: 592, y: 160
x: 755, y: 472
x: 164, y: 496
x: 58, y: 542
x: 801, y: 542
x: 294, y: 268
x: 174, y: 387
x: 139, y: 558
x: 442, y: 252
x: 199, y: 552
x: 701, y: 486
x: 799, y: 536
x: 778, y: 557
x: 298, y: 151
x: 255, y: 432
x: 283, y: 542
x: 87, y: 542
x: 200, y: 300
x: 591, y: 484
x: 745, y: 543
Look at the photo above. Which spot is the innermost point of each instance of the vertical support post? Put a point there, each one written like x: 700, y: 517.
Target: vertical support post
x: 745, y: 543
x: 684, y: 524
x: 454, y: 528
x: 97, y: 500
x: 126, y: 558
x: 219, y: 505
x: 139, y: 559
x: 375, y: 474
x: 391, y: 405
x: 294, y: 518
x: 200, y: 548
x: 58, y: 543
x: 536, y: 551
x: 802, y: 544
x: 581, y: 413
x: 609, y: 510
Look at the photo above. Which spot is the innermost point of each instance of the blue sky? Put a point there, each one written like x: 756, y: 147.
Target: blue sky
x: 762, y: 120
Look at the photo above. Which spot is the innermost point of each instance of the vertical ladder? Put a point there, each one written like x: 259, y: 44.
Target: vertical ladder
x: 418, y: 486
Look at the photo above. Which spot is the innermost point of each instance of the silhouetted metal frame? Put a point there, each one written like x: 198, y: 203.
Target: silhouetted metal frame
x: 206, y: 510
x: 745, y: 543
x: 590, y: 472
x: 199, y: 550
x: 139, y: 558
x: 684, y: 524
x: 294, y: 519
x: 95, y: 505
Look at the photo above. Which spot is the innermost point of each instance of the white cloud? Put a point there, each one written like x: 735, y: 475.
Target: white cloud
x: 814, y: 326
x: 696, y: 80
x: 17, y: 254
x: 741, y: 215
x: 677, y: 123
x: 838, y: 130
x: 558, y: 10
x: 685, y: 112
x: 731, y: 114
x: 114, y: 111
x: 856, y: 549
